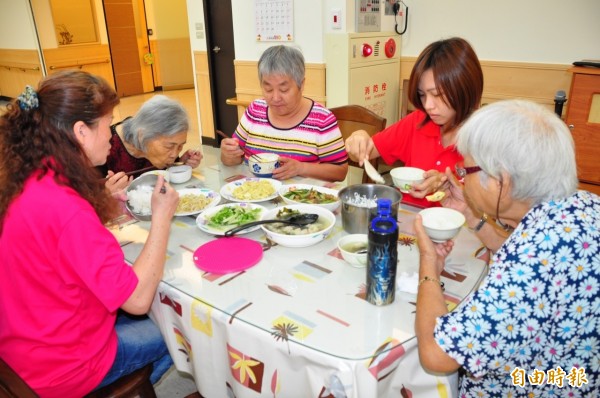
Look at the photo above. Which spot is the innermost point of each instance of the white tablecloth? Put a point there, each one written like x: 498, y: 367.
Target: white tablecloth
x: 296, y: 324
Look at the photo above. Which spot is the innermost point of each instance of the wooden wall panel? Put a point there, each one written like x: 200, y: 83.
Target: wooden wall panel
x: 93, y: 58
x: 18, y: 68
x: 508, y: 80
x: 175, y: 63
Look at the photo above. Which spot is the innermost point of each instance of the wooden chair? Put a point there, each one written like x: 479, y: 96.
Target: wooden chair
x: 136, y: 384
x: 355, y: 117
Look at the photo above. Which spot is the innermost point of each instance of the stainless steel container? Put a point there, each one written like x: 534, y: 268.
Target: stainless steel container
x: 355, y: 219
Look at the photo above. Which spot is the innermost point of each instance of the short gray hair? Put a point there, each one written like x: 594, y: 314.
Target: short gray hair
x: 282, y: 60
x: 160, y: 116
x: 526, y: 141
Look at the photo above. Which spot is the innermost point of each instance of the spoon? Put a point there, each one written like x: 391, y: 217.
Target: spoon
x: 372, y: 172
x: 299, y: 220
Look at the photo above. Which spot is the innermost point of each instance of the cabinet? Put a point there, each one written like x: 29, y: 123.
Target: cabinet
x: 583, y: 118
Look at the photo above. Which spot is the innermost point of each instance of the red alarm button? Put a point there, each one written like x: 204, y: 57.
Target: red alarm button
x: 367, y: 50
x: 390, y: 48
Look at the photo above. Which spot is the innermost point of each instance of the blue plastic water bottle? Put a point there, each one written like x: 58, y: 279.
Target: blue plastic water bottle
x: 383, y: 255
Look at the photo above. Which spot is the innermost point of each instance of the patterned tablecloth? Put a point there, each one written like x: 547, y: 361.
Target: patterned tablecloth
x: 297, y: 323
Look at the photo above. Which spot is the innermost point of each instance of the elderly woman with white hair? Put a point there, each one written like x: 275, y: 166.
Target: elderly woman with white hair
x: 302, y: 132
x: 154, y: 137
x: 532, y: 327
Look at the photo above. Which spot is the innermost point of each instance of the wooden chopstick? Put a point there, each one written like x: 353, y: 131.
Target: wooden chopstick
x: 222, y: 134
x: 130, y: 173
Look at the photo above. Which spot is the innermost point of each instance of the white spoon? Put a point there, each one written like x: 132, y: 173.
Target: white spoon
x: 372, y: 173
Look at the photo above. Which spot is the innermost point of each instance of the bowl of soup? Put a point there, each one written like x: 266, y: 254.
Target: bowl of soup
x: 353, y: 249
x: 298, y: 236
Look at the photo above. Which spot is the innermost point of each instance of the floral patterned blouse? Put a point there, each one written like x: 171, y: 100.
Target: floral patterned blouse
x: 532, y: 329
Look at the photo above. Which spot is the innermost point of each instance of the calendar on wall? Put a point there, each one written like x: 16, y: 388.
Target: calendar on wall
x: 274, y: 20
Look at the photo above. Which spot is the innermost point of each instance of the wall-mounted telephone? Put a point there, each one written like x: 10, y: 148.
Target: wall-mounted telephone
x: 400, y: 10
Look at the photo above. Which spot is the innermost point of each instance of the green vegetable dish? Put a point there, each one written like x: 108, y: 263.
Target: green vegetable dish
x: 233, y: 216
x: 311, y: 196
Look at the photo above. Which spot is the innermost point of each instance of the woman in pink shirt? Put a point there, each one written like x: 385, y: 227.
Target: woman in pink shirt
x: 64, y: 277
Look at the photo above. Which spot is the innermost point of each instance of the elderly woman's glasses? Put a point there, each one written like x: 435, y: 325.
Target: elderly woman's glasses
x: 462, y: 171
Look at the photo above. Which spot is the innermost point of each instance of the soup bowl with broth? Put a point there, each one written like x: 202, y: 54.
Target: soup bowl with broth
x: 293, y: 236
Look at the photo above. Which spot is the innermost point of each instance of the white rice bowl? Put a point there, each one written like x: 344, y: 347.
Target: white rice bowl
x: 140, y: 199
x: 326, y: 217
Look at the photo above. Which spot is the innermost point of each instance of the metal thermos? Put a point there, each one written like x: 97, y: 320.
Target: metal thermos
x: 382, y: 258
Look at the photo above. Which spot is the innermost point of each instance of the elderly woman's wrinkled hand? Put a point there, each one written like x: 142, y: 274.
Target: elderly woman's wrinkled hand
x: 359, y: 145
x: 430, y: 252
x: 454, y: 198
x: 117, y: 182
x: 288, y: 168
x: 231, y: 153
x: 164, y: 200
x: 192, y: 157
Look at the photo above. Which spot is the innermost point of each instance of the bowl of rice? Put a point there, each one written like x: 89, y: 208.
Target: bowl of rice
x: 442, y: 223
x: 359, y: 205
x: 139, y: 197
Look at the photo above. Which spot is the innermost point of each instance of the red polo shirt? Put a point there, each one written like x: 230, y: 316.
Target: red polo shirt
x: 417, y: 147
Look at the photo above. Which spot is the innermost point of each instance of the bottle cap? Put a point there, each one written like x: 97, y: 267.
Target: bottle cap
x: 384, y: 222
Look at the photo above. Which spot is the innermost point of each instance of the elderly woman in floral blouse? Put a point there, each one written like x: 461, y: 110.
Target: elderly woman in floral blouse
x: 532, y: 327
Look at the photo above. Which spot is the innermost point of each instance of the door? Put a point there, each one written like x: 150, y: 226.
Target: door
x: 221, y: 53
x: 125, y: 49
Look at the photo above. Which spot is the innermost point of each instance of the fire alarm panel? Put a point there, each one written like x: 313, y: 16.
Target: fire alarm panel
x: 368, y: 15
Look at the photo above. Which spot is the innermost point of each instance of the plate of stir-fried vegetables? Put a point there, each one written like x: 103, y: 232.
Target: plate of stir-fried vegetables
x: 310, y: 194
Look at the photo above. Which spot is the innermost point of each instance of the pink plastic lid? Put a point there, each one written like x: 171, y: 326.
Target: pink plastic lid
x: 227, y: 255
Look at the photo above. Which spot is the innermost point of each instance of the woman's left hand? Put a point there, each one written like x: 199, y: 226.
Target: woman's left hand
x: 431, y: 253
x: 433, y: 181
x: 288, y: 168
x: 192, y: 157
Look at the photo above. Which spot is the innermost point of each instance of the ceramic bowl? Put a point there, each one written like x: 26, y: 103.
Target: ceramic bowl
x: 263, y: 164
x: 441, y: 223
x: 333, y: 206
x: 180, y: 174
x: 405, y: 177
x: 354, y: 249
x: 325, y: 216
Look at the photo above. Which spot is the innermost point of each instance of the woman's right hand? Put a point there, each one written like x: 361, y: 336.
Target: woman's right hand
x: 164, y: 200
x: 231, y: 153
x: 359, y: 146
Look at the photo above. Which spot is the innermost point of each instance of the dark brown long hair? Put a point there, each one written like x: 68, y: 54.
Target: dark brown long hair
x: 41, y: 138
x: 457, y: 74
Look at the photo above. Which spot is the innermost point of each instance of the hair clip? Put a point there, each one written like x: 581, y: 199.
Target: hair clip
x: 28, y: 99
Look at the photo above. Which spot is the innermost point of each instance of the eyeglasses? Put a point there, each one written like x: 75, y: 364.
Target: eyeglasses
x: 462, y: 171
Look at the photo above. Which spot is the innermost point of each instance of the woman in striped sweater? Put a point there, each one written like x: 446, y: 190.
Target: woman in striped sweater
x: 302, y: 132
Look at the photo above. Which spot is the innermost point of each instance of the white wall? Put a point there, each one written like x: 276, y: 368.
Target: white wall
x: 195, y: 12
x: 308, y: 30
x: 544, y: 31
x: 16, y: 25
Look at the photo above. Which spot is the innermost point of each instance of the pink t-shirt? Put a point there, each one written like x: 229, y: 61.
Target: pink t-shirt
x: 416, y: 147
x: 63, y: 277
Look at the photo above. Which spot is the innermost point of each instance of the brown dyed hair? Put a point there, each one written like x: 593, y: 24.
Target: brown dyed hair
x: 457, y: 74
x: 30, y: 138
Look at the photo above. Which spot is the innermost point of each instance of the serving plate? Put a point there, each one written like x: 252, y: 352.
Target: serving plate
x: 214, y: 197
x: 227, y: 190
x: 291, y: 187
x: 202, y: 219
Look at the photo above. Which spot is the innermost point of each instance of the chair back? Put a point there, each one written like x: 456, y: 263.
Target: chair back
x: 355, y: 117
x: 11, y: 384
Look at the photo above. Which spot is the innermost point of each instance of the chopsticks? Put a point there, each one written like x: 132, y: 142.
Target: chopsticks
x: 246, y: 152
x: 130, y: 173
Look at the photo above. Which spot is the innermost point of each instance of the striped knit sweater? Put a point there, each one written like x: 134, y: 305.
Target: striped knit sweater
x: 316, y: 139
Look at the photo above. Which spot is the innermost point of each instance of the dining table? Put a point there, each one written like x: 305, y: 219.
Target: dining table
x: 296, y: 324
